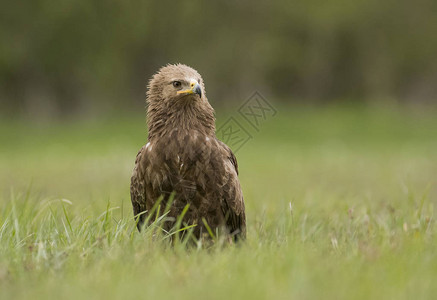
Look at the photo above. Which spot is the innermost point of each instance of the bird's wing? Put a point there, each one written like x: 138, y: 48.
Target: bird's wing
x: 233, y: 203
x: 137, y: 189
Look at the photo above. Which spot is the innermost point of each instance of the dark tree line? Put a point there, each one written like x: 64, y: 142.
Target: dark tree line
x: 74, y: 56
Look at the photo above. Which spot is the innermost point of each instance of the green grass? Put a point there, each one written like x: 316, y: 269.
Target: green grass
x: 340, y: 205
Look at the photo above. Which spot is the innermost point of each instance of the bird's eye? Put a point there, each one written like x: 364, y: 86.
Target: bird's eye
x: 177, y: 84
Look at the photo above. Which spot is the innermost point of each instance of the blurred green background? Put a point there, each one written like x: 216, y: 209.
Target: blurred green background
x: 340, y: 185
x: 70, y: 58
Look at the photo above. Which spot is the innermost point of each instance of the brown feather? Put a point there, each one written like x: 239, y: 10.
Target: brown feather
x: 184, y: 156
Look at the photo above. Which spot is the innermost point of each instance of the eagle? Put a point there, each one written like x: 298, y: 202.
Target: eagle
x: 183, y: 165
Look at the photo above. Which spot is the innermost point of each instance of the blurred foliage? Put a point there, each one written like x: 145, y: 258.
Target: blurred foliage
x: 69, y: 57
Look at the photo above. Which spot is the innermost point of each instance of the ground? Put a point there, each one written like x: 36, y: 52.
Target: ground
x: 340, y: 205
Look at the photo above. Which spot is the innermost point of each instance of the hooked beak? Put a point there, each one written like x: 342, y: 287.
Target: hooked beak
x: 195, y: 89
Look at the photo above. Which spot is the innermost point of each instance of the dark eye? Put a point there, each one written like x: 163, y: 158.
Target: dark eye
x: 177, y: 84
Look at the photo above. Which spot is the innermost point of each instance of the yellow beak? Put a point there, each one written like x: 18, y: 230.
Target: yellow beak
x: 195, y: 89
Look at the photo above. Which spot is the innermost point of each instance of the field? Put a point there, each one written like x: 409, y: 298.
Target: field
x: 340, y: 205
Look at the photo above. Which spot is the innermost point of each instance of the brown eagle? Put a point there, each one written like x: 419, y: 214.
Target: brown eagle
x: 184, y: 158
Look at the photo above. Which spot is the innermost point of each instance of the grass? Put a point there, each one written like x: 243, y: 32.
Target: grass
x: 340, y: 204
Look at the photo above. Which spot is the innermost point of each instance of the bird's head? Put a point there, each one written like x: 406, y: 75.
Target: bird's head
x: 176, y: 84
x: 176, y: 99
